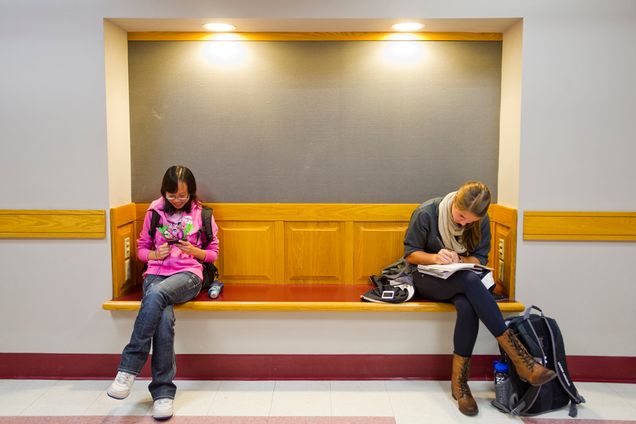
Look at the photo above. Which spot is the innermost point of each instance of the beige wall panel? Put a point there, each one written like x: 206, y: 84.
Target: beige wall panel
x: 376, y: 244
x: 314, y: 252
x: 247, y: 252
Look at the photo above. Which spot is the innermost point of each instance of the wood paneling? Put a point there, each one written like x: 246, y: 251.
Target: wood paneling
x: 248, y: 251
x: 601, y: 226
x: 296, y: 244
x: 314, y: 36
x: 503, y: 227
x: 377, y: 244
x: 53, y: 224
x: 308, y: 211
x: 122, y: 227
x: 314, y: 252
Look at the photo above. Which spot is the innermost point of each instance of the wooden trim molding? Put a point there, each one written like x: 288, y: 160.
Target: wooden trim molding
x: 53, y: 224
x: 338, y: 212
x: 595, y: 226
x: 316, y: 36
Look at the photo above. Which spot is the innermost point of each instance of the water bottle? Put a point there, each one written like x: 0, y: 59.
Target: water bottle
x: 215, y: 289
x: 501, y: 383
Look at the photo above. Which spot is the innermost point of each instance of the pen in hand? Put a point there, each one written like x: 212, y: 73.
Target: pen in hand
x: 447, y: 255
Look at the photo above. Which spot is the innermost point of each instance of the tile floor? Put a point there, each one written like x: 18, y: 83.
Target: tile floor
x: 408, y: 402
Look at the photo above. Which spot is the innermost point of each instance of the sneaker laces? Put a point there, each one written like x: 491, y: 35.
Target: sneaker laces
x: 124, y: 378
x: 163, y: 402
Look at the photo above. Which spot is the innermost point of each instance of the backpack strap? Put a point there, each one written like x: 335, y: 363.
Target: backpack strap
x: 528, y: 335
x: 206, y: 227
x: 154, y: 223
x: 526, y: 401
x: 558, y: 353
x: 526, y: 313
x: 206, y: 239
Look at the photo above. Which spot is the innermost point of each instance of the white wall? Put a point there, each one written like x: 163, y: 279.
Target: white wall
x: 577, y: 149
x: 576, y: 132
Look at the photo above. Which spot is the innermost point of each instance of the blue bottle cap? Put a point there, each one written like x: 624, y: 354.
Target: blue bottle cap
x: 501, y: 366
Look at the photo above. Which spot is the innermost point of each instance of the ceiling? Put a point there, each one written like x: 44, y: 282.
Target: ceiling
x: 314, y: 25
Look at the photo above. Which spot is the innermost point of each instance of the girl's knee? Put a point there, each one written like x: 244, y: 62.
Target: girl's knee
x: 167, y: 319
x: 463, y: 305
x: 471, y: 283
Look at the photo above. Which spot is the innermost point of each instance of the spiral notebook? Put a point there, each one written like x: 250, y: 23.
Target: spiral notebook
x: 445, y: 271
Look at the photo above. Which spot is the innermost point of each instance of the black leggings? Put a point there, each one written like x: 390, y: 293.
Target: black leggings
x: 473, y: 303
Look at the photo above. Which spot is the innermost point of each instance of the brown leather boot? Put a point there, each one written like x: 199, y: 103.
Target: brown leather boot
x: 527, y: 368
x: 459, y: 386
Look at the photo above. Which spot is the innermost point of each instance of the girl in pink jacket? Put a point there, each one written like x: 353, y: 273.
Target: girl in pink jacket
x: 174, y: 275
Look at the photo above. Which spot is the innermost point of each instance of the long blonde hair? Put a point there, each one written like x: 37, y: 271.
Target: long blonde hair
x: 473, y: 197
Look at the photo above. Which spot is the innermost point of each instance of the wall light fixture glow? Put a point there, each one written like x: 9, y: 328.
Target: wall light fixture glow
x: 225, y: 50
x: 219, y: 27
x: 408, y: 26
x: 403, y: 54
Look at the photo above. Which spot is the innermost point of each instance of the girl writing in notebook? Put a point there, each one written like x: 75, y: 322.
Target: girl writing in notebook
x: 451, y: 229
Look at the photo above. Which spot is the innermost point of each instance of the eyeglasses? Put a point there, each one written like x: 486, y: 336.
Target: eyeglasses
x: 173, y: 197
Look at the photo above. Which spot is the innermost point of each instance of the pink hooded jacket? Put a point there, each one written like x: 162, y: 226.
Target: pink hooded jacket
x: 169, y: 227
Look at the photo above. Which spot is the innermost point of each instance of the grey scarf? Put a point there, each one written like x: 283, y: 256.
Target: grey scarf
x: 449, y: 230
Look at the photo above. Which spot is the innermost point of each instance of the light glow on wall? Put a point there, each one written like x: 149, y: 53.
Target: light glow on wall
x: 225, y: 50
x: 219, y: 27
x: 403, y: 50
x: 408, y: 26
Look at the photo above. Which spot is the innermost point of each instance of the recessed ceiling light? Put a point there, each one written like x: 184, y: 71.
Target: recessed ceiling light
x: 219, y: 27
x: 408, y: 26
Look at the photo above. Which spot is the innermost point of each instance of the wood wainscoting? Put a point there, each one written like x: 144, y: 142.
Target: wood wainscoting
x: 306, y: 243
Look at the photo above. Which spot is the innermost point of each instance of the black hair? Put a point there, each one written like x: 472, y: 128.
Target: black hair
x: 170, y: 184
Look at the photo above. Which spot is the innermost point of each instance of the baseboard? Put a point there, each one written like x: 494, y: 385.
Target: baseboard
x: 617, y: 369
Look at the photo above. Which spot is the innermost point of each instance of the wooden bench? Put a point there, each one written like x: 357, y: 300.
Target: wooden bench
x: 303, y: 257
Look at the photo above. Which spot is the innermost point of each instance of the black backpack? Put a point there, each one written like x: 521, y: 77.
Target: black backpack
x: 210, y: 271
x: 542, y: 338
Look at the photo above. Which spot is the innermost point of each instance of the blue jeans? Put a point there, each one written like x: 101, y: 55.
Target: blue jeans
x: 155, y: 324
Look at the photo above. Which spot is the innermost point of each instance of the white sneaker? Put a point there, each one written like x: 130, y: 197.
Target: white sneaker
x: 162, y: 409
x: 120, y: 389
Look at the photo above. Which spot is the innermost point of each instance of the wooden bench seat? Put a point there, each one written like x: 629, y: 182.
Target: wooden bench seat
x: 316, y: 297
x: 303, y: 257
